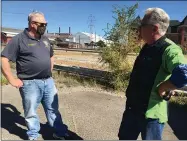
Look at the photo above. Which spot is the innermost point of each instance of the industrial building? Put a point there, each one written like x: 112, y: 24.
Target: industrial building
x: 85, y: 38
x: 65, y: 40
x: 177, y: 32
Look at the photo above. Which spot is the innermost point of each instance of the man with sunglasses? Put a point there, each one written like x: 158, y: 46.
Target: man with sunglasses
x: 159, y: 69
x: 33, y: 55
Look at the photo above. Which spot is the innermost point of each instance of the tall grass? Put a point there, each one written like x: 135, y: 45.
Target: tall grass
x: 4, y: 81
x: 68, y: 80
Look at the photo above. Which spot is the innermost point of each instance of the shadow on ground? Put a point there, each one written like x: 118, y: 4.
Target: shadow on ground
x: 11, y: 119
x: 178, y: 121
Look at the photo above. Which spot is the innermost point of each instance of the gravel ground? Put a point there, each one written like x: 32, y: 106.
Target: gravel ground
x: 90, y: 113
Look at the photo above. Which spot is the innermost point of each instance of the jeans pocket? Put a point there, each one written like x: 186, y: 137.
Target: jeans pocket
x: 26, y: 85
x: 26, y: 82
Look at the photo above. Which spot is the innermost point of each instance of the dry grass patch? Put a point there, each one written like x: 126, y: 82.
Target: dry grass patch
x: 67, y: 80
x: 4, y: 81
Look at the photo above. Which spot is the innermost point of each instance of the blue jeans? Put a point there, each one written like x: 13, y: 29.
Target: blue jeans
x: 134, y: 123
x: 42, y: 91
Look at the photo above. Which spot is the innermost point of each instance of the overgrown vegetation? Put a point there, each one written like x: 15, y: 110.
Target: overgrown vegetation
x: 4, y: 81
x: 100, y: 43
x: 67, y: 80
x: 180, y: 100
x: 124, y: 36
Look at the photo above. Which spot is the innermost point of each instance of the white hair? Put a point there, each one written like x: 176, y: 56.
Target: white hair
x: 32, y: 14
x: 158, y: 16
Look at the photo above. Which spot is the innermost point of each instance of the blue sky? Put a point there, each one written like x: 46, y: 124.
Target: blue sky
x: 75, y: 13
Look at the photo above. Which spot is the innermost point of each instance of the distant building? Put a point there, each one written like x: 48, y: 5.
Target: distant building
x: 63, y: 40
x: 60, y: 39
x: 59, y: 35
x: 177, y: 32
x: 8, y: 33
x: 3, y: 38
x: 85, y: 38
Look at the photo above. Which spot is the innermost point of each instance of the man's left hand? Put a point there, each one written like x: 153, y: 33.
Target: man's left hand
x: 166, y: 95
x: 166, y: 87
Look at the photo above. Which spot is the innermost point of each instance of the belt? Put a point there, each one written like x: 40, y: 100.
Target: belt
x: 43, y: 78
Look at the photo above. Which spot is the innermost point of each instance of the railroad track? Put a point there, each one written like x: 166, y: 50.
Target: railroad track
x: 83, y: 72
x: 102, y: 76
x: 86, y: 50
x: 78, y: 50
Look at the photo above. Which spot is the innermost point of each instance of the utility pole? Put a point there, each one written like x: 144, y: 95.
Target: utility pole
x: 95, y: 39
x: 91, y: 20
x: 79, y: 41
x: 59, y: 30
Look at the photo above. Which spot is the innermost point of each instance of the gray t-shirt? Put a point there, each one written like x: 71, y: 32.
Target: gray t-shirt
x: 32, y: 56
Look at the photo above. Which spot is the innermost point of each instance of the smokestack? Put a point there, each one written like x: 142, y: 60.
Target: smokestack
x: 59, y: 30
x: 69, y: 30
x: 47, y: 31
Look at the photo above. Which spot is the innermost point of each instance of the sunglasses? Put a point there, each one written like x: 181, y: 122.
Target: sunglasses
x: 40, y: 24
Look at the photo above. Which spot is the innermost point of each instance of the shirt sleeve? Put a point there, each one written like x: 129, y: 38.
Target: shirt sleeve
x: 11, y: 49
x: 179, y: 76
x: 51, y: 51
x: 51, y: 48
x: 176, y: 65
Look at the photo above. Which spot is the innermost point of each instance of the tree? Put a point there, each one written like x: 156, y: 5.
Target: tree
x: 125, y: 39
x: 92, y: 43
x: 100, y: 43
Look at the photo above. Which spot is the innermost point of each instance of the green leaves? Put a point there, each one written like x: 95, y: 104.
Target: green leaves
x: 124, y: 36
x: 100, y: 43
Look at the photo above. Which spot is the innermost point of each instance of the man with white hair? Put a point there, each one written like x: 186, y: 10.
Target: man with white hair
x: 159, y: 69
x: 33, y: 55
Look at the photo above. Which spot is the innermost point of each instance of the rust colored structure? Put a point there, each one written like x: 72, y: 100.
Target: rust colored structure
x: 177, y: 32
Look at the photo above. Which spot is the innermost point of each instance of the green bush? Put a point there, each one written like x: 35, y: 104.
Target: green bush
x: 100, y: 43
x: 124, y: 36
